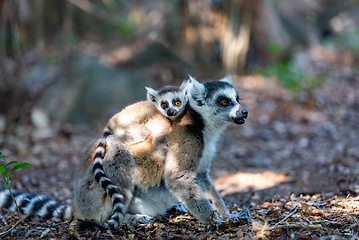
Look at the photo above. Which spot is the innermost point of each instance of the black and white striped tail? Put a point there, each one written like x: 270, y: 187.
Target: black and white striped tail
x: 107, y: 185
x: 35, y: 205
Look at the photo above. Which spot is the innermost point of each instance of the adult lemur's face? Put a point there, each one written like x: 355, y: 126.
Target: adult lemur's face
x: 217, y: 100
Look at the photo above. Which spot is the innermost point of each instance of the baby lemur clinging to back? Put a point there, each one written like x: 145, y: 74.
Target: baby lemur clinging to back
x: 129, y: 127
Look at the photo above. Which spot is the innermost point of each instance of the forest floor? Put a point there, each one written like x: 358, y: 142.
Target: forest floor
x: 294, y: 165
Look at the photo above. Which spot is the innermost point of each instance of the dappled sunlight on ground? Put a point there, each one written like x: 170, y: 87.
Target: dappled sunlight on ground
x: 242, y: 182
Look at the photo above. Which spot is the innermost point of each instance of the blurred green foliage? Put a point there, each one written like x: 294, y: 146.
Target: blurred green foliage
x: 282, y: 70
x: 127, y: 28
x: 287, y: 77
x: 53, y: 59
x: 348, y: 41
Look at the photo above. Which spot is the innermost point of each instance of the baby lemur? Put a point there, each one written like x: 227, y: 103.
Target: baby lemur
x: 129, y: 127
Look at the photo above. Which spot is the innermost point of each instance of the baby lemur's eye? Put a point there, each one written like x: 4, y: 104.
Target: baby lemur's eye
x: 237, y: 99
x: 163, y: 105
x: 178, y: 103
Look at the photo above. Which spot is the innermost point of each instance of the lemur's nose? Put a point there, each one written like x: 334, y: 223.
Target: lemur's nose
x: 171, y: 112
x: 244, y: 113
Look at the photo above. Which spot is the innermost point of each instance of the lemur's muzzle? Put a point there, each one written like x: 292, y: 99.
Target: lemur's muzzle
x: 240, y: 117
x: 171, y: 112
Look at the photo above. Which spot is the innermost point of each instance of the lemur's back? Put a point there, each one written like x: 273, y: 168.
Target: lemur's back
x: 141, y: 163
x: 185, y: 142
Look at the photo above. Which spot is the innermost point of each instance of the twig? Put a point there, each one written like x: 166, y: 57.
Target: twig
x: 300, y: 225
x: 346, y: 199
x: 12, y: 228
x: 58, y: 215
x: 276, y: 225
x: 14, y: 200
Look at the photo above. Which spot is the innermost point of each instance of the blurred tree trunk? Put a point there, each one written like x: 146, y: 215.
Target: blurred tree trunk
x: 267, y: 29
x: 182, y: 35
x: 236, y: 23
x: 189, y: 48
x: 232, y: 27
x: 38, y: 8
x: 235, y: 45
x: 22, y: 44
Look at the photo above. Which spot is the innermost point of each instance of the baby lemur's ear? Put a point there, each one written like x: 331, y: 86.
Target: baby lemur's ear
x: 151, y: 94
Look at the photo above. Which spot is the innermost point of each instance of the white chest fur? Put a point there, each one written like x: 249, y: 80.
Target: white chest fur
x: 207, y: 155
x: 211, y: 134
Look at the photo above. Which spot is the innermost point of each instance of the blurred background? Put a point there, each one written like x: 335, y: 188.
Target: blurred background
x: 66, y: 66
x: 81, y: 60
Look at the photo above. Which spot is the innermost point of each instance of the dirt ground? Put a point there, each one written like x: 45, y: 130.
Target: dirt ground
x: 294, y: 165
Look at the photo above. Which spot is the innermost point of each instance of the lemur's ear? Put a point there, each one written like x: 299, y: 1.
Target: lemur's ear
x: 227, y: 79
x: 184, y: 85
x: 195, y: 89
x: 184, y: 88
x: 151, y: 94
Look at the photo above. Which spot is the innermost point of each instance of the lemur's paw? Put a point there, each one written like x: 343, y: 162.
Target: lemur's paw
x: 138, y: 219
x: 236, y: 216
x: 89, y: 225
x: 179, y: 208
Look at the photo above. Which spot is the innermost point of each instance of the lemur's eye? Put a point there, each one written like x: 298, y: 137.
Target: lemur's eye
x: 178, y: 103
x: 224, y: 102
x: 163, y: 105
x: 237, y: 99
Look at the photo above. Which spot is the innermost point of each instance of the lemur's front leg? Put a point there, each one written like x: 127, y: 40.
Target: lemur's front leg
x: 207, y: 186
x: 183, y: 185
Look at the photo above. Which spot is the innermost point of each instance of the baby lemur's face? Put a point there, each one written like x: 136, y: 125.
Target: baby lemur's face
x: 170, y: 101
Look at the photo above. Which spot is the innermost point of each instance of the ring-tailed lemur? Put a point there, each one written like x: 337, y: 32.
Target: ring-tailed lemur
x: 129, y: 126
x: 191, y: 141
x: 191, y: 144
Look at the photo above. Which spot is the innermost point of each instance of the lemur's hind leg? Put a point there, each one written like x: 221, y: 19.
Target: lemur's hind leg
x: 119, y: 166
x: 121, y: 171
x: 91, y: 200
